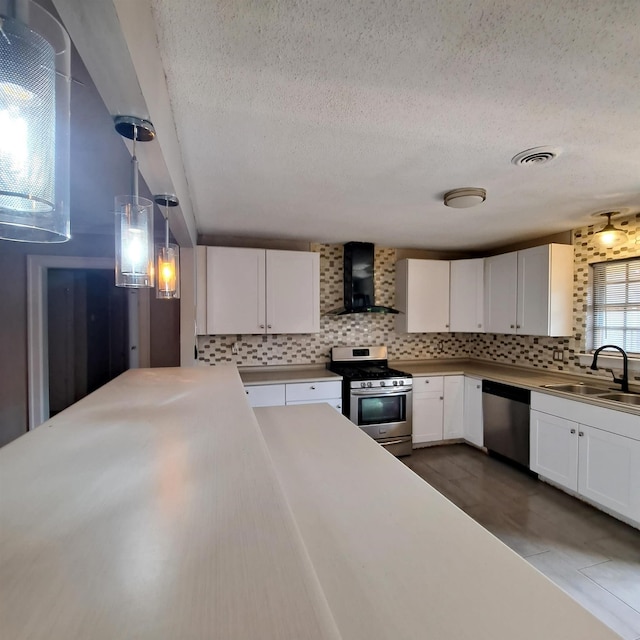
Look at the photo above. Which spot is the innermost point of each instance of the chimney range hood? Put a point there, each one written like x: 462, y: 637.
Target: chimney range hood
x: 359, y: 294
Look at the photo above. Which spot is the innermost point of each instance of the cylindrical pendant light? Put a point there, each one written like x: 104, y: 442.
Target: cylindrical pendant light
x: 34, y: 124
x: 134, y: 217
x: 167, y: 255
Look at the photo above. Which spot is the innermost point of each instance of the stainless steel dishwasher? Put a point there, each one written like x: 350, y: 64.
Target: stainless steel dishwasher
x: 505, y: 411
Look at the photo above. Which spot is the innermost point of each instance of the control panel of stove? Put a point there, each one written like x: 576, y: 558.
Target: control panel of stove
x: 368, y: 384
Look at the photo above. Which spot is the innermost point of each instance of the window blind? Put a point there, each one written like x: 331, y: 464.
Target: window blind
x: 616, y: 304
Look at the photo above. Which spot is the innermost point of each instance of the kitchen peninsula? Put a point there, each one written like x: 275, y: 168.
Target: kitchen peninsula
x: 161, y: 506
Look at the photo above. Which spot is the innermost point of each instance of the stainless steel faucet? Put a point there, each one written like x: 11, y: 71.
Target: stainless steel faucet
x: 624, y: 381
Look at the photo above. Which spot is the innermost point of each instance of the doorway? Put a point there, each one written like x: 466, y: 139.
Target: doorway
x: 87, y: 318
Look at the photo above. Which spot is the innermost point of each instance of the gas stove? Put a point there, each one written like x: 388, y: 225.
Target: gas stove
x: 374, y: 396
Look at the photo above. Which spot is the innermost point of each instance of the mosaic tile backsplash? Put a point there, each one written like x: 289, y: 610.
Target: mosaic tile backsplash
x: 376, y: 329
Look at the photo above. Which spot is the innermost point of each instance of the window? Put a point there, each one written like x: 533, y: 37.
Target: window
x: 616, y: 304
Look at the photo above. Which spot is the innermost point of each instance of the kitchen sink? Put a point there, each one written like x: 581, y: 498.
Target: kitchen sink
x: 580, y: 389
x: 626, y: 398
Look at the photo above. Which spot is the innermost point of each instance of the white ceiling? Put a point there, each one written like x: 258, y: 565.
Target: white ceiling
x: 335, y: 121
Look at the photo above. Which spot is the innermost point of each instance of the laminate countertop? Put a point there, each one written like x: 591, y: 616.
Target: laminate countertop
x: 158, y: 507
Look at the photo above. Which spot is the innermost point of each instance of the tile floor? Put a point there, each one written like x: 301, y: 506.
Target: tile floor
x: 591, y: 556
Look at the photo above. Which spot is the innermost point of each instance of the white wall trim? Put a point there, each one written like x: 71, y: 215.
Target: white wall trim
x: 38, y: 359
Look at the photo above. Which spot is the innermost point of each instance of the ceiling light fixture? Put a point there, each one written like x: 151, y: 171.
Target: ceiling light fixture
x: 134, y: 216
x: 167, y: 255
x: 465, y: 197
x: 610, y: 236
x: 34, y: 124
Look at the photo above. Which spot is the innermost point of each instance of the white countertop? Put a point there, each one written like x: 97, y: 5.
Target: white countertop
x: 154, y: 508
x: 286, y: 374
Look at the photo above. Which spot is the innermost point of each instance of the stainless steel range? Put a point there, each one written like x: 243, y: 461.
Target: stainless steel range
x: 375, y: 397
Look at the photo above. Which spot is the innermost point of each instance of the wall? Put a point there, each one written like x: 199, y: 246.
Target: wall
x: 372, y: 329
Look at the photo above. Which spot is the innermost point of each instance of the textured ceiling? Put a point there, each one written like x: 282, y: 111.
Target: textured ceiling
x: 336, y: 121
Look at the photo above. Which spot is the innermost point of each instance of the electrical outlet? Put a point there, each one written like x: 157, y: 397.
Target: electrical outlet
x: 558, y: 354
x: 234, y: 349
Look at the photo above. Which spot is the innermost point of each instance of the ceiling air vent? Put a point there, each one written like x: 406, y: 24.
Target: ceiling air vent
x: 537, y: 155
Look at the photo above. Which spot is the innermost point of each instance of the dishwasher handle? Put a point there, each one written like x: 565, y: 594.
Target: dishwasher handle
x: 516, y: 394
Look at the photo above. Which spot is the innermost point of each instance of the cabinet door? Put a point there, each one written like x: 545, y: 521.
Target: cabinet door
x: 467, y: 296
x: 533, y: 292
x: 609, y: 470
x: 554, y: 449
x: 235, y: 290
x: 265, y: 395
x: 428, y: 410
x: 501, y: 281
x: 473, y: 411
x: 201, y: 291
x: 293, y: 292
x: 422, y: 296
x: 453, y: 419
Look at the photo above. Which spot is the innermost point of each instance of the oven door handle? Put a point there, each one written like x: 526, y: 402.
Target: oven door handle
x: 379, y: 391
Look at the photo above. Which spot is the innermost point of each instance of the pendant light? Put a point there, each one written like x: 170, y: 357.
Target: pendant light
x: 167, y: 255
x: 134, y: 216
x: 35, y: 56
x: 610, y: 236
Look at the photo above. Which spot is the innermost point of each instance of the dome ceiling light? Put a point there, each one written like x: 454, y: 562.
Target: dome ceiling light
x: 610, y: 236
x: 465, y: 197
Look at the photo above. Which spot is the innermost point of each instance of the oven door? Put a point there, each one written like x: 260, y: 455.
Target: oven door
x: 382, y: 413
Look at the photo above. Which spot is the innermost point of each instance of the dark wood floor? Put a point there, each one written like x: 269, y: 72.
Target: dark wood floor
x: 591, y: 556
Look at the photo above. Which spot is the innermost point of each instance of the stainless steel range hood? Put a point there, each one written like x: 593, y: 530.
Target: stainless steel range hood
x: 359, y: 293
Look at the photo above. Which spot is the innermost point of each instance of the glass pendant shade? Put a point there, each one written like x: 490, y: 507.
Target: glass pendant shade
x: 610, y: 236
x: 168, y: 271
x: 34, y: 124
x: 134, y: 242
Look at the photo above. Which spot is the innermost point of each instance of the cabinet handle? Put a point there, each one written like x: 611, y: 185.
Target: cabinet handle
x: 262, y: 326
x: 479, y: 326
x: 477, y: 386
x: 581, y: 433
x: 312, y: 387
x: 426, y: 382
x: 518, y: 326
x: 247, y: 392
x: 512, y: 326
x: 446, y: 325
x: 573, y: 430
x: 441, y: 398
x: 338, y: 406
x: 268, y: 326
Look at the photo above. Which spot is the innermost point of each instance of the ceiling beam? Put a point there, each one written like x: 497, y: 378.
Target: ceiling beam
x: 117, y: 42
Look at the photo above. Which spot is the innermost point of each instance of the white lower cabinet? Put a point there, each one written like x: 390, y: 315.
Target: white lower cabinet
x: 554, y: 449
x: 473, y: 431
x: 597, y: 463
x: 453, y: 426
x: 438, y: 408
x: 278, y: 395
x: 428, y: 409
x: 609, y: 470
x: 265, y: 395
x: 314, y: 392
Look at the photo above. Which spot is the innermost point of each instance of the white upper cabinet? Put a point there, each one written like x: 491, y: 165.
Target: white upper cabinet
x: 500, y: 288
x: 252, y: 291
x: 293, y: 292
x: 467, y: 296
x: 530, y: 292
x: 422, y: 296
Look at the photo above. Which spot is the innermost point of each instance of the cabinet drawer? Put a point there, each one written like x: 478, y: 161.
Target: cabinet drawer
x: 303, y: 391
x: 430, y: 384
x: 336, y: 403
x: 265, y: 395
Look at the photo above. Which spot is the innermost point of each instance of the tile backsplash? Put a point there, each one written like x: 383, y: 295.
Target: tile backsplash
x: 374, y: 329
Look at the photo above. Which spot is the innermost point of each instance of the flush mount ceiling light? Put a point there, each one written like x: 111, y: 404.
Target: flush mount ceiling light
x: 610, y: 236
x: 465, y: 197
x: 34, y: 124
x: 134, y: 216
x: 167, y: 255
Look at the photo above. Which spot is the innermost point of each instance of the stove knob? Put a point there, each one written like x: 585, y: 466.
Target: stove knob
x: 395, y: 383
x: 369, y: 383
x: 401, y: 382
x: 363, y: 384
x: 382, y: 383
